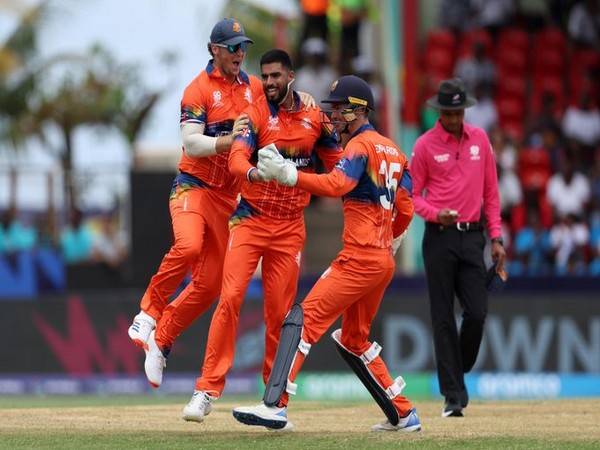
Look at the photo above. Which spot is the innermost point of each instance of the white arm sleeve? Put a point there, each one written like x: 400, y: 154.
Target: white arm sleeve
x: 195, y: 143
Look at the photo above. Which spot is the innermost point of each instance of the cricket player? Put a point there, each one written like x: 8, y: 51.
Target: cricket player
x: 374, y: 181
x: 268, y: 222
x: 203, y: 196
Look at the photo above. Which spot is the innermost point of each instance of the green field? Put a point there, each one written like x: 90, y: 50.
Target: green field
x: 154, y: 422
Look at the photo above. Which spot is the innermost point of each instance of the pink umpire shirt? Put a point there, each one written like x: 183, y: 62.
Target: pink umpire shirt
x: 460, y: 175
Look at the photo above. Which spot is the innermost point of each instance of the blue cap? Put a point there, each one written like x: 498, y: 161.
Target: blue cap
x: 228, y: 32
x: 353, y: 90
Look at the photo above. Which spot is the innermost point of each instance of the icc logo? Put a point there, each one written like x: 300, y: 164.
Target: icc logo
x: 216, y: 98
x: 273, y: 123
x: 474, y: 152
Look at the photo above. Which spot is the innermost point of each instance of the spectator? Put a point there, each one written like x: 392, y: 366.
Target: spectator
x: 568, y: 239
x: 352, y: 14
x: 552, y: 144
x: 531, y: 248
x: 453, y: 14
x: 484, y: 113
x: 568, y: 191
x: 492, y: 14
x: 510, y: 191
x: 14, y: 234
x: 109, y: 245
x: 533, y: 14
x: 317, y: 75
x: 476, y: 69
x: 363, y: 67
x: 506, y: 154
x: 76, y: 239
x: 581, y: 124
x: 314, y: 24
x: 548, y: 117
x: 584, y: 23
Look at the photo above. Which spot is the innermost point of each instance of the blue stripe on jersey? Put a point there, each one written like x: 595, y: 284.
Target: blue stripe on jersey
x: 216, y: 129
x: 243, y: 210
x: 353, y: 168
x: 185, y: 178
x: 406, y: 181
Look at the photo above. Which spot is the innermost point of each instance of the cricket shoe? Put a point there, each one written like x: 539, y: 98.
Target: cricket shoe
x: 198, y: 407
x: 452, y: 409
x: 408, y: 423
x: 156, y: 361
x: 139, y: 330
x: 272, y: 417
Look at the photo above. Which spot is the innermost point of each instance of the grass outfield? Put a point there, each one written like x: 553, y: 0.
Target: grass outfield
x: 154, y: 423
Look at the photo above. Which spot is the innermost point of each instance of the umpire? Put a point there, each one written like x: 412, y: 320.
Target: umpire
x: 454, y: 180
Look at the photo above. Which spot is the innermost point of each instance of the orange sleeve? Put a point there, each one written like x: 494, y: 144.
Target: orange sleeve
x: 404, y: 212
x: 244, y: 146
x: 332, y: 184
x: 327, y: 147
x: 404, y: 206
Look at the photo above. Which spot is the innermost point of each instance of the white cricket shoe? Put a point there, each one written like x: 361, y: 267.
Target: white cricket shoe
x: 198, y: 407
x: 407, y: 424
x: 140, y: 329
x: 155, y: 362
x: 272, y: 417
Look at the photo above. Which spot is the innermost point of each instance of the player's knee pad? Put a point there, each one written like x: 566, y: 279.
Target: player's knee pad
x: 290, y: 341
x: 360, y: 366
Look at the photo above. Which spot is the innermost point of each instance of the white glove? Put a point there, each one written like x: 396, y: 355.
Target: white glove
x: 272, y: 166
x: 396, y: 242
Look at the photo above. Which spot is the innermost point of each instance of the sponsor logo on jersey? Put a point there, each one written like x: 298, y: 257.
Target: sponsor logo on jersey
x: 248, y: 95
x: 306, y: 123
x: 444, y: 157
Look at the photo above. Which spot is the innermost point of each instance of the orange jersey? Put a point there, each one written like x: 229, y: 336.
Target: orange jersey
x: 374, y: 181
x: 215, y: 102
x: 301, y: 136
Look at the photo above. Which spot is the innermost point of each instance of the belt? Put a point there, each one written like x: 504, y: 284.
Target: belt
x: 460, y: 226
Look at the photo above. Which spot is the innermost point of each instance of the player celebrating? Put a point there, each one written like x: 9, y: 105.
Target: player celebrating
x: 375, y: 184
x: 268, y: 222
x: 203, y: 196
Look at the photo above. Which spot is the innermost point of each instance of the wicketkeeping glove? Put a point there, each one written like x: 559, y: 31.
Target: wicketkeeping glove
x: 272, y: 166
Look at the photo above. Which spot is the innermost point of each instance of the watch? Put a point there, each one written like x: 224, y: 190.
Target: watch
x: 499, y: 240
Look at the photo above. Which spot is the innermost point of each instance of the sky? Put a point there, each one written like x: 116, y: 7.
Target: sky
x: 134, y: 32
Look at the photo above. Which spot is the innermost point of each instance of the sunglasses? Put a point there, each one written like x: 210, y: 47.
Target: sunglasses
x: 234, y: 48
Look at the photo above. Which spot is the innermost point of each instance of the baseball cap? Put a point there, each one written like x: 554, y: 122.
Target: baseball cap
x: 229, y: 32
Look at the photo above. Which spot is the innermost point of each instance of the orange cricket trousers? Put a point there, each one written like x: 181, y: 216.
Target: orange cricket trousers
x: 199, y: 216
x: 279, y: 242
x: 353, y: 285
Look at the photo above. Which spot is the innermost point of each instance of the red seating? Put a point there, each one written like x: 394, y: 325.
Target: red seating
x: 441, y: 39
x: 513, y: 86
x: 548, y: 85
x: 513, y: 38
x: 514, y: 129
x: 439, y: 62
x: 550, y: 38
x: 512, y: 61
x: 465, y: 47
x: 548, y: 61
x: 534, y: 168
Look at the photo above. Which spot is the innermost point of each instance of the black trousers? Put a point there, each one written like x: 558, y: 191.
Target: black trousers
x: 454, y: 266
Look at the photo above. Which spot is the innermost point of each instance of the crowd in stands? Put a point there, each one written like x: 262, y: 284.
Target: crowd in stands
x: 535, y: 69
x: 82, y: 240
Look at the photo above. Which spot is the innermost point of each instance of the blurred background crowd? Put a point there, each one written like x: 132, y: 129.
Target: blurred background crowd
x: 534, y: 67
